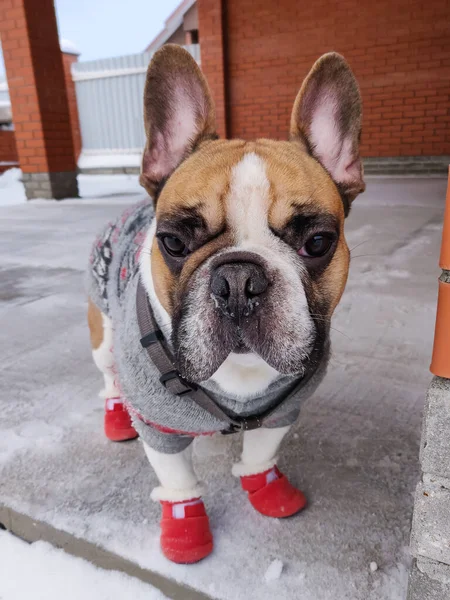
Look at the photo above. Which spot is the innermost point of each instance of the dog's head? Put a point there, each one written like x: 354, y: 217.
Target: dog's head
x: 249, y: 254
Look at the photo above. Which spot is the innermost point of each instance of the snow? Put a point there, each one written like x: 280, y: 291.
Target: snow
x: 68, y: 47
x: 11, y: 188
x: 97, y: 187
x: 110, y: 160
x: 41, y: 572
x: 274, y: 570
x: 354, y: 450
x: 10, y: 177
x: 107, y: 186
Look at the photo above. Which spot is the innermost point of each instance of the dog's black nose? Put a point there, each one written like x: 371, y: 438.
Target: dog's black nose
x: 237, y: 287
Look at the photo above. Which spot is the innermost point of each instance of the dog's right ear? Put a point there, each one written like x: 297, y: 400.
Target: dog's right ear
x: 178, y: 113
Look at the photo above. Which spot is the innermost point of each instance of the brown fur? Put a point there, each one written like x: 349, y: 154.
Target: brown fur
x: 95, y: 322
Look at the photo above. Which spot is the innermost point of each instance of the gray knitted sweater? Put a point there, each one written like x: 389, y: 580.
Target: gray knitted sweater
x: 166, y: 422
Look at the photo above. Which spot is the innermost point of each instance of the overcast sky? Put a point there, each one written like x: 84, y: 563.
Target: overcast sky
x: 102, y: 28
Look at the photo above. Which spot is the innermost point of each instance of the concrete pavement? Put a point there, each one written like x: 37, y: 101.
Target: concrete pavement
x: 354, y: 450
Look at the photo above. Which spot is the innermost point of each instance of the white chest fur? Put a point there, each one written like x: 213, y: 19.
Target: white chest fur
x: 244, y: 375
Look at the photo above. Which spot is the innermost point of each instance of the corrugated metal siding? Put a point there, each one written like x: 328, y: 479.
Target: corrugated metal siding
x: 109, y: 96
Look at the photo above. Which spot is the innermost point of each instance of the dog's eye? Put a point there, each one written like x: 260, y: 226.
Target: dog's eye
x: 317, y: 245
x: 174, y: 246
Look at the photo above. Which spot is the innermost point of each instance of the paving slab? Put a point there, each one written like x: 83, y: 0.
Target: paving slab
x: 354, y: 450
x: 424, y: 587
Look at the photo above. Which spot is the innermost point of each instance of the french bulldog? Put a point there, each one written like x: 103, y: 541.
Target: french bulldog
x: 210, y: 304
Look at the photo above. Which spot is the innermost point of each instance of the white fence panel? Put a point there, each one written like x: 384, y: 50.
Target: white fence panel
x: 5, y: 104
x: 110, y: 107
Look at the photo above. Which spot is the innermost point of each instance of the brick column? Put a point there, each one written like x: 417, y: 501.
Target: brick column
x: 68, y: 59
x: 211, y: 17
x: 38, y: 95
x: 8, y: 150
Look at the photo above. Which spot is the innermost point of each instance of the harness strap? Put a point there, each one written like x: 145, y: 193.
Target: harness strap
x: 152, y: 339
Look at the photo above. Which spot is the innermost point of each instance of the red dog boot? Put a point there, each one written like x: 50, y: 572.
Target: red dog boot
x: 185, y: 534
x: 271, y: 494
x: 118, y: 427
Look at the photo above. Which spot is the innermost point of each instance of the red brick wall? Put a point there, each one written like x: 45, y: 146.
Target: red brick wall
x: 399, y: 51
x: 211, y: 30
x: 37, y: 87
x: 68, y: 60
x: 8, y: 149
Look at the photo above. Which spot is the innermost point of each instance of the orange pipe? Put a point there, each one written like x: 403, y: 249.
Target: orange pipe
x: 440, y: 362
x: 444, y: 261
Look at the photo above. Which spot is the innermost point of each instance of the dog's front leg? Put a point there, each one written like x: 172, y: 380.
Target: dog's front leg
x: 259, y: 450
x: 269, y: 491
x: 177, y: 478
x: 185, y: 532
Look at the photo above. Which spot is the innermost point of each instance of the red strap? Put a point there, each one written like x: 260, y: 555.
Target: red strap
x: 253, y: 483
x: 190, y: 510
x: 164, y: 429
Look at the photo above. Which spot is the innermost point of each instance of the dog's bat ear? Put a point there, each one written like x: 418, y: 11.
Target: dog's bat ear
x: 178, y: 113
x: 327, y: 117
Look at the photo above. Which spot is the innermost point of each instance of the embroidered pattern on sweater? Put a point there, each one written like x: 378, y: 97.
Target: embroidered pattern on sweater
x: 128, y: 232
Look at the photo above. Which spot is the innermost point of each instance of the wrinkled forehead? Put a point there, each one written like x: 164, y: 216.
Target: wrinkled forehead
x: 263, y: 183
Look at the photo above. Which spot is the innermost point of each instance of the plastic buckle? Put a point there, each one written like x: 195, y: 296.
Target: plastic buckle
x: 191, y: 387
x: 152, y: 338
x: 251, y: 423
x: 243, y: 425
x: 233, y: 428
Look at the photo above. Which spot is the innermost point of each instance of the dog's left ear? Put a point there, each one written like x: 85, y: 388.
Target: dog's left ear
x: 178, y: 113
x: 327, y: 118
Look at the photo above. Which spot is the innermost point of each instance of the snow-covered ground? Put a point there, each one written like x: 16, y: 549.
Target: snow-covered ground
x: 354, y: 450
x: 41, y: 572
x: 109, y: 186
x: 12, y: 191
x: 11, y: 188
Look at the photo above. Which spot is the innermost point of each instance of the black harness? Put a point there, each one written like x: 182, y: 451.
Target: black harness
x: 154, y: 343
